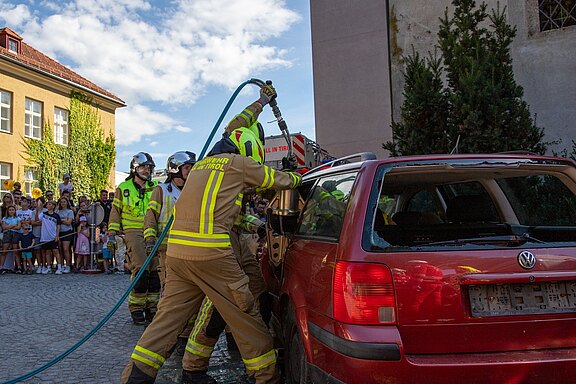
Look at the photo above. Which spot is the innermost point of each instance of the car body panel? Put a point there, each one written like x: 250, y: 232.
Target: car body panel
x: 437, y: 336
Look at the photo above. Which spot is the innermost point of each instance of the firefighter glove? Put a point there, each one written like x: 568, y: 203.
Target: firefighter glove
x: 150, y: 241
x: 289, y: 163
x: 267, y: 94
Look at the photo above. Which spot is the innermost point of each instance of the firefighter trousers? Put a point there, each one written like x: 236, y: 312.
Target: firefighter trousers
x: 162, y: 273
x: 226, y: 285
x: 209, y: 323
x: 146, y: 292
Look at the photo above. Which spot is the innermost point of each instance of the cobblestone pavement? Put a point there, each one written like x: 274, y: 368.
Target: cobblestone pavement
x: 41, y: 316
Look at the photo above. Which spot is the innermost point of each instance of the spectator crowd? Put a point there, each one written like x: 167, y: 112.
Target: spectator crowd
x: 52, y: 234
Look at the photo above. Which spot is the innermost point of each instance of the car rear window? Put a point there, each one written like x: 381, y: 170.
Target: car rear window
x: 494, y: 205
x: 555, y: 204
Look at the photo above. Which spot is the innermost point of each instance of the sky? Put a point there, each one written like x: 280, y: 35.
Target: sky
x: 176, y: 63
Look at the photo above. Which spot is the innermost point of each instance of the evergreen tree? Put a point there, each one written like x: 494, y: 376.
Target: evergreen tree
x: 425, y: 110
x: 486, y: 110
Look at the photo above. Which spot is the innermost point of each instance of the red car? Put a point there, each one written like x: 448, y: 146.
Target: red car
x: 427, y: 269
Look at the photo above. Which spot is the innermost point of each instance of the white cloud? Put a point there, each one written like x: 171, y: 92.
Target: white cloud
x: 182, y: 129
x: 153, y: 143
x: 149, y: 51
x: 135, y: 122
x: 15, y: 14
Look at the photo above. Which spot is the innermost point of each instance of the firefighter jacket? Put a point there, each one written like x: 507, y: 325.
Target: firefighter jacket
x: 129, y: 206
x: 245, y: 118
x: 212, y: 200
x: 160, y: 208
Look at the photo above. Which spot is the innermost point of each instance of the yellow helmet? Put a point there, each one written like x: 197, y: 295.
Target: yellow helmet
x: 248, y: 144
x: 258, y: 131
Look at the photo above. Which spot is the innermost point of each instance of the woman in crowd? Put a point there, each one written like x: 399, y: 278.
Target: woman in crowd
x: 7, y: 201
x: 10, y: 226
x: 66, y: 232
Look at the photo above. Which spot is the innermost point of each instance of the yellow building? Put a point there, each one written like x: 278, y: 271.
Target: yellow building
x: 34, y: 93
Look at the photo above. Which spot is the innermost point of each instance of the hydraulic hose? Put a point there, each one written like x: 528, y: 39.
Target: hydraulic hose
x: 146, y: 262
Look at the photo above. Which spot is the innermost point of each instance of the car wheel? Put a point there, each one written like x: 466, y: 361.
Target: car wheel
x: 295, y: 364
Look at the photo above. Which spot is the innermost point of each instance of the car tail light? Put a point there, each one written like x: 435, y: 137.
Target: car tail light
x: 363, y: 293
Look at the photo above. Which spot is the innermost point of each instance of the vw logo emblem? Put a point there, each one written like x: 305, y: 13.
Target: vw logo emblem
x: 526, y: 259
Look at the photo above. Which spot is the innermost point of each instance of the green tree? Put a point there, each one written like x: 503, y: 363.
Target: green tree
x: 89, y: 157
x: 486, y: 110
x: 423, y: 128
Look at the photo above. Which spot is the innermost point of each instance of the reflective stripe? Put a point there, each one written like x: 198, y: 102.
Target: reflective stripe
x: 239, y: 199
x: 150, y: 232
x: 296, y: 179
x: 145, y: 361
x: 148, y: 357
x: 155, y: 206
x: 130, y: 222
x: 268, y: 177
x: 194, y: 239
x: 117, y: 203
x: 260, y: 362
x: 204, y: 312
x: 199, y: 349
x: 139, y: 300
x: 248, y: 116
x: 209, y: 202
x: 114, y: 227
x: 213, y: 201
x: 153, y: 298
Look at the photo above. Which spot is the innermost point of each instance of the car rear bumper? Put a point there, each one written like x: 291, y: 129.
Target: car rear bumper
x: 336, y: 360
x: 359, y: 350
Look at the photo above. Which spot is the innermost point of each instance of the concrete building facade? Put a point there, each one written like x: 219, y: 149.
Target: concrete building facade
x: 543, y: 52
x: 34, y: 93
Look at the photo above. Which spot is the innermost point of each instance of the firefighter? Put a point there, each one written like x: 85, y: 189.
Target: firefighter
x: 161, y: 204
x: 127, y: 216
x: 160, y: 209
x: 200, y: 260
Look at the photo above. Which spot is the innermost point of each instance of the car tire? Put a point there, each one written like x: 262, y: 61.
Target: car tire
x: 295, y: 363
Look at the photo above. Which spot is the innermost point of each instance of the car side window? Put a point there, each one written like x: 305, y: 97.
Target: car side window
x: 324, y: 211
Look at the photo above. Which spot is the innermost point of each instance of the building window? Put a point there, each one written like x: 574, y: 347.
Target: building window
x: 13, y: 46
x: 60, y: 126
x: 30, y: 180
x: 5, y: 111
x: 556, y: 14
x: 5, y: 173
x: 33, y: 119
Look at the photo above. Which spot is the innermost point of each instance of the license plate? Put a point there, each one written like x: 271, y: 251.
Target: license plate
x: 522, y: 299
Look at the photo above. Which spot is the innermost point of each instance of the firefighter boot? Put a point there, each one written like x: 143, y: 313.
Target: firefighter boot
x: 149, y: 315
x: 138, y: 317
x: 197, y: 377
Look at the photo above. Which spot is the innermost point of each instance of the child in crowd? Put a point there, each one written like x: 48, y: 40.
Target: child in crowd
x: 10, y: 226
x: 27, y: 243
x: 49, y: 235
x: 106, y: 252
x: 37, y: 232
x: 82, y: 250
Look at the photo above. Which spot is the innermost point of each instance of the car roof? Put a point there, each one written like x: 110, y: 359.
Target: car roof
x: 330, y: 168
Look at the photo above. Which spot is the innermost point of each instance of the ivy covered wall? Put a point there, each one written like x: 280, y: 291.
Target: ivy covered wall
x: 88, y: 158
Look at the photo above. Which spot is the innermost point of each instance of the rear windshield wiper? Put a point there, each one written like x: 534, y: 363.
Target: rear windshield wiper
x: 486, y: 239
x: 533, y: 239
